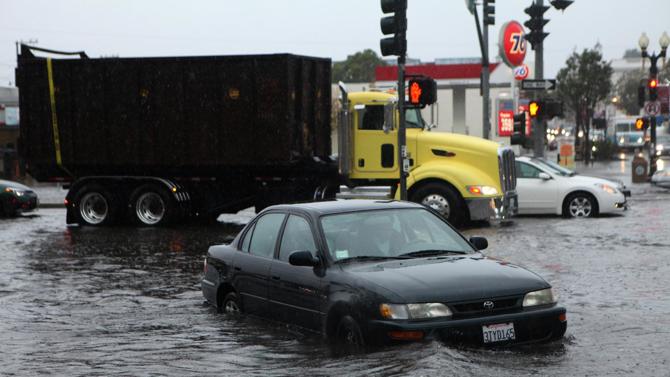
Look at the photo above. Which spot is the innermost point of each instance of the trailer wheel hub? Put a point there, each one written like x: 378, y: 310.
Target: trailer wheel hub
x: 150, y: 208
x: 93, y: 208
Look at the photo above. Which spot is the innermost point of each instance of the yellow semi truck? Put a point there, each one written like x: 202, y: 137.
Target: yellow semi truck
x: 462, y: 177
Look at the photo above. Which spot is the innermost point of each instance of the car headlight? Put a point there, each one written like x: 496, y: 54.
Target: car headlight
x: 659, y: 147
x: 542, y: 297
x: 607, y: 188
x: 482, y: 190
x: 414, y: 311
x: 16, y: 191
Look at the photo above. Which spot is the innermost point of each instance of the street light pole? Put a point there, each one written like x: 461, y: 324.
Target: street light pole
x: 643, y: 42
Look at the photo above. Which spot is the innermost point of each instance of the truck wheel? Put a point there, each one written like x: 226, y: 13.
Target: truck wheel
x: 152, y: 205
x: 95, y: 206
x: 442, y: 199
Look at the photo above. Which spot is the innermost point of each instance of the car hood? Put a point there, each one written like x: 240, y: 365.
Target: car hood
x: 17, y: 185
x: 587, y: 180
x: 449, y: 279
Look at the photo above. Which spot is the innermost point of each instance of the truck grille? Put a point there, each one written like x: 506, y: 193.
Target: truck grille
x: 507, y: 169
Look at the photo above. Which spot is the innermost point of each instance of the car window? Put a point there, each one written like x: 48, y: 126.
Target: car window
x: 247, y: 238
x: 526, y: 170
x: 297, y: 237
x: 388, y: 233
x: 264, y: 237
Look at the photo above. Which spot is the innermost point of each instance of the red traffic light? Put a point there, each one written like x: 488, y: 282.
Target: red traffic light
x: 422, y: 91
x: 653, y: 83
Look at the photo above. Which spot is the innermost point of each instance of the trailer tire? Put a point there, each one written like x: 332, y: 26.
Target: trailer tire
x: 152, y: 205
x: 95, y: 206
x: 443, y: 199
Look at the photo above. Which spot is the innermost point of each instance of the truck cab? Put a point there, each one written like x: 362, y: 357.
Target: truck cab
x: 462, y: 177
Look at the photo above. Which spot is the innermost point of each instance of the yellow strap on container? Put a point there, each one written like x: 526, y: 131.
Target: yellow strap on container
x: 54, y: 117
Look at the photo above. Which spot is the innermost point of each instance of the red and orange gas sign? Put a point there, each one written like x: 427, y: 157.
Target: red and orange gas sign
x: 512, y: 45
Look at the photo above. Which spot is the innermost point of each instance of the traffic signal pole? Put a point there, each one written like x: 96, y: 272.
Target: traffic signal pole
x: 402, y: 135
x: 538, y: 123
x: 486, y: 91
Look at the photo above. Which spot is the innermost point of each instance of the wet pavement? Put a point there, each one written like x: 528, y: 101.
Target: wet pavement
x: 122, y: 301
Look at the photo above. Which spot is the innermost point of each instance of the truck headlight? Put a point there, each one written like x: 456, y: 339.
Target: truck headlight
x: 16, y: 191
x: 542, y: 297
x: 414, y: 311
x: 482, y: 190
x: 607, y: 188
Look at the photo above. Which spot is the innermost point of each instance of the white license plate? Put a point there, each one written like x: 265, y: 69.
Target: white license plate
x: 499, y: 332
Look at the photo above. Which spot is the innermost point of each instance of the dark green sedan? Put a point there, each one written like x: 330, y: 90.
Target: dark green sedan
x: 16, y: 198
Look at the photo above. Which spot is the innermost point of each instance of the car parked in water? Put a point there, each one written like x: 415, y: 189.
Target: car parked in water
x: 363, y: 271
x: 661, y: 178
x: 544, y: 187
x: 16, y: 198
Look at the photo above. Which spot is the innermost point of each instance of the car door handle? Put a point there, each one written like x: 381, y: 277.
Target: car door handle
x: 275, y: 278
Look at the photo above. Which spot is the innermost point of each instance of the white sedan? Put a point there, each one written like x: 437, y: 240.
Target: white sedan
x: 544, y: 187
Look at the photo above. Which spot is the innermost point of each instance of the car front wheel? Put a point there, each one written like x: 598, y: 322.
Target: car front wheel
x: 580, y: 205
x: 231, y: 304
x: 349, y: 333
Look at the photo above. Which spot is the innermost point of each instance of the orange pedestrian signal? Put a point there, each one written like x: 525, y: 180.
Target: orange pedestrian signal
x: 641, y: 124
x: 422, y: 91
x: 415, y: 93
x: 534, y: 109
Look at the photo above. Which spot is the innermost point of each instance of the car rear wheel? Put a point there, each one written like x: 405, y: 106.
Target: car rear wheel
x: 443, y: 199
x: 580, y: 204
x: 231, y: 304
x: 95, y: 206
x: 348, y: 333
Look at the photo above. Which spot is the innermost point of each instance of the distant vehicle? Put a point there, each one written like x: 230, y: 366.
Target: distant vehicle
x: 622, y: 133
x: 363, y: 271
x: 661, y: 178
x: 545, y: 187
x: 663, y: 145
x: 16, y: 198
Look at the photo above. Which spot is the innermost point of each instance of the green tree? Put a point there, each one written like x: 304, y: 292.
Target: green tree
x: 359, y: 67
x: 585, y: 81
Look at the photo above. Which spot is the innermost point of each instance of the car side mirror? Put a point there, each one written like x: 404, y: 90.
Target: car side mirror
x: 303, y: 258
x: 544, y: 176
x: 480, y: 243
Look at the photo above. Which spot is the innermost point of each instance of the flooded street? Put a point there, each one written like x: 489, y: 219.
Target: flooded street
x: 122, y: 301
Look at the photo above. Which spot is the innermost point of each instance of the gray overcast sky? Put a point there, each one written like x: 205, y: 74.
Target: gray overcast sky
x: 333, y: 28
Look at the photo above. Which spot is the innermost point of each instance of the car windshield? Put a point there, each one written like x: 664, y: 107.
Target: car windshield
x: 554, y: 167
x: 389, y: 234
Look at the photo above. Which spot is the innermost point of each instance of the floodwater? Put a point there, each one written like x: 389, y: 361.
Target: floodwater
x: 122, y: 301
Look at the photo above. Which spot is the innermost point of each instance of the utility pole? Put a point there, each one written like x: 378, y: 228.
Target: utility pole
x: 488, y: 18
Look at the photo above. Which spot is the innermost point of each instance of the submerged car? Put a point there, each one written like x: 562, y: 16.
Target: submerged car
x: 544, y: 187
x: 363, y: 272
x: 16, y: 198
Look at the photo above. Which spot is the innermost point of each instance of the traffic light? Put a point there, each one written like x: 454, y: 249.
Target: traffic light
x: 422, y: 91
x: 394, y: 25
x: 534, y: 108
x: 545, y: 109
x: 519, y: 133
x: 561, y: 4
x: 536, y: 24
x: 489, y: 12
x: 641, y: 124
x: 653, y: 89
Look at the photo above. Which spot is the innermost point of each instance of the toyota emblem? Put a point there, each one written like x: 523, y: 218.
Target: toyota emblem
x: 488, y: 305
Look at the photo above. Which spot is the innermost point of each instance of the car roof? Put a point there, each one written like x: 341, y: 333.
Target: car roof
x: 341, y: 206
